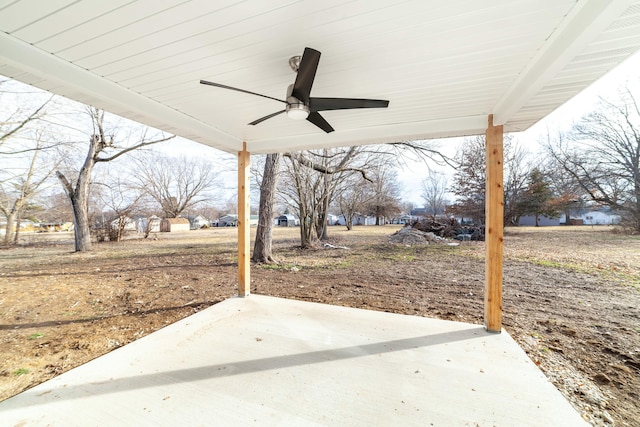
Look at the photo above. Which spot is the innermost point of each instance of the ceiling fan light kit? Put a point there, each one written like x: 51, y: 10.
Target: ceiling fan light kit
x: 299, y: 104
x: 296, y: 109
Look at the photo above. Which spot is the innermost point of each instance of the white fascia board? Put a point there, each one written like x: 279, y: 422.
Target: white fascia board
x: 583, y: 24
x: 28, y: 58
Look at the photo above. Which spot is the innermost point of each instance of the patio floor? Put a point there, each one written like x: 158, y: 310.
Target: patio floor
x: 270, y: 361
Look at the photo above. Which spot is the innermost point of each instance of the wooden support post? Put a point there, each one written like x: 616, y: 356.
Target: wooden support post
x: 494, y: 228
x: 244, y: 216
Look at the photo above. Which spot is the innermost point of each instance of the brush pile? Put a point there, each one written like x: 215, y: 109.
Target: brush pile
x: 412, y: 236
x: 436, y: 229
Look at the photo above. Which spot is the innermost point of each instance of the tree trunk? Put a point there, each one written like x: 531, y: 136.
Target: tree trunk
x: 82, y: 231
x: 12, y: 228
x: 262, y: 249
x: 321, y: 223
x: 16, y: 235
x: 636, y: 211
x: 79, y: 197
x: 377, y: 216
x: 323, y: 235
x: 323, y: 209
x: 306, y: 226
x: 9, y: 228
x: 348, y: 222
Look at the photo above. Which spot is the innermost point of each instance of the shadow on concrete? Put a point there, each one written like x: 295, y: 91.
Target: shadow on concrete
x: 169, y: 377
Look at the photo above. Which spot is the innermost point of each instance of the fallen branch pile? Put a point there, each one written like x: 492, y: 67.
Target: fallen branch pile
x: 449, y: 228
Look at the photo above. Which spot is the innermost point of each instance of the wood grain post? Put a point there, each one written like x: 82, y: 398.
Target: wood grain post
x: 244, y: 216
x: 494, y: 228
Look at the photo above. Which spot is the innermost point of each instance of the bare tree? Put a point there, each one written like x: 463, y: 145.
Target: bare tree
x: 517, y: 170
x: 312, y: 178
x: 299, y: 188
x: 56, y: 208
x: 470, y: 177
x: 122, y: 201
x: 354, y: 160
x: 406, y: 207
x: 176, y: 183
x: 19, y: 114
x: 604, y: 155
x: 18, y: 189
x: 353, y: 198
x: 26, y: 161
x: 469, y: 180
x: 262, y: 250
x: 102, y: 148
x: 434, y: 192
x: 385, y: 198
x: 567, y: 192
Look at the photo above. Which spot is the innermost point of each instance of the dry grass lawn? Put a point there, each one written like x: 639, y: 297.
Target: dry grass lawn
x: 571, y: 297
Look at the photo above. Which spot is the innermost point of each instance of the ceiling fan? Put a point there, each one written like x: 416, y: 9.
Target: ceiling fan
x: 300, y: 104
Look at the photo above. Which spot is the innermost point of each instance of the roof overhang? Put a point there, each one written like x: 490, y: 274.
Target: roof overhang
x: 444, y: 66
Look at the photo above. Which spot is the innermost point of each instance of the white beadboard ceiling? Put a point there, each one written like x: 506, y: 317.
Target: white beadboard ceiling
x: 443, y: 65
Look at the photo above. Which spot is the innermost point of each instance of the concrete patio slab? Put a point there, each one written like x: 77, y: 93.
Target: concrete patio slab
x: 269, y: 361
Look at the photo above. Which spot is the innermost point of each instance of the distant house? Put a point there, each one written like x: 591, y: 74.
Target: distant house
x: 358, y: 219
x: 287, y: 221
x: 364, y: 220
x: 594, y: 216
x: 600, y: 218
x: 127, y: 223
x: 340, y: 220
x: 198, y: 222
x: 54, y: 226
x: 333, y: 219
x: 543, y: 221
x: 230, y: 220
x: 168, y: 225
x: 151, y: 224
x: 25, y: 226
x: 403, y: 219
x: 419, y: 212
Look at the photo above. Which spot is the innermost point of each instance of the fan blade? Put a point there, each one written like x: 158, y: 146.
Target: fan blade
x: 306, y: 74
x: 319, y: 121
x: 204, y: 82
x: 326, y: 104
x: 260, y: 120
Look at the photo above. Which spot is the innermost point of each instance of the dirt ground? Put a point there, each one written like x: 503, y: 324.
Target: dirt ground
x: 571, y: 297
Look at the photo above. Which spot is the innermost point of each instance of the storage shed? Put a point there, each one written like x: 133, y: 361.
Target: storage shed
x: 174, y: 224
x: 287, y: 221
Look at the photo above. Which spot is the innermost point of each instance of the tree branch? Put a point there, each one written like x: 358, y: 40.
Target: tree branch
x: 22, y: 124
x: 327, y: 170
x: 134, y: 147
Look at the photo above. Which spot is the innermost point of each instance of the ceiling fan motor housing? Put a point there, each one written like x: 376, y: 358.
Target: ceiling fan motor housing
x: 295, y: 108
